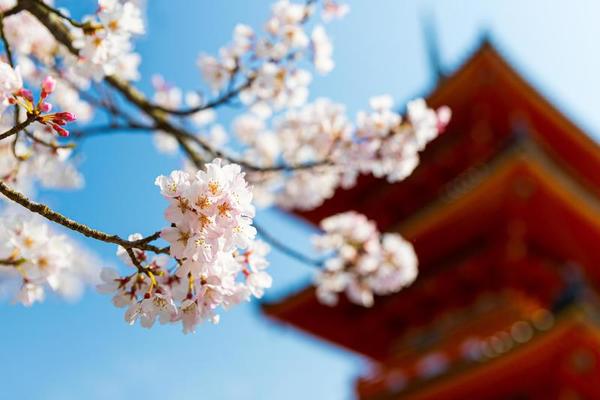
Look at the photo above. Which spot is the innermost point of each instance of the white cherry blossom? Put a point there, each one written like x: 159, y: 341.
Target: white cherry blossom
x: 361, y: 262
x: 39, y: 260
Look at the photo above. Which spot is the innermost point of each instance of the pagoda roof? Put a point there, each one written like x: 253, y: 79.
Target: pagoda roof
x: 565, y: 346
x: 504, y: 198
x: 491, y: 103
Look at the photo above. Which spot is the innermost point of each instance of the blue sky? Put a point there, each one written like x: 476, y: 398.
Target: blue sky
x: 67, y: 351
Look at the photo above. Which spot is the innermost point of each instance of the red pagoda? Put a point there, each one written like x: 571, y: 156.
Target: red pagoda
x: 504, y: 214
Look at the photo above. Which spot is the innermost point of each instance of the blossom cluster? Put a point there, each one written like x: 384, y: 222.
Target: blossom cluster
x: 295, y: 154
x: 33, y: 259
x: 218, y: 261
x: 104, y: 42
x: 380, y: 142
x: 268, y: 65
x: 266, y: 71
x: 362, y: 262
x: 303, y: 152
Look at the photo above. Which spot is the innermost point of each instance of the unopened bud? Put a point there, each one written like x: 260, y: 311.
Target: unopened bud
x: 67, y: 116
x: 45, y: 107
x: 48, y: 86
x: 61, y: 131
x: 25, y: 94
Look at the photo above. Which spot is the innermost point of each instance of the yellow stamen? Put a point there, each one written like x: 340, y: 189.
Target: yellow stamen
x: 202, y: 202
x: 213, y: 187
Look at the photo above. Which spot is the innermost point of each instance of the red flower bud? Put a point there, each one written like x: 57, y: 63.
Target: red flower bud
x: 25, y: 94
x: 67, y: 116
x: 61, y: 131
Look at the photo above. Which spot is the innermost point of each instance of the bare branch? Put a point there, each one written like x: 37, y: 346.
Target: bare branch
x: 12, y: 11
x: 52, y: 145
x: 285, y: 249
x: 18, y: 128
x: 12, y: 262
x: 85, y: 230
x: 110, y: 128
x: 68, y: 19
x: 226, y: 97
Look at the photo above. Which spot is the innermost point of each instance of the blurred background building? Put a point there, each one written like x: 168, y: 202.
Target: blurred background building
x: 504, y: 213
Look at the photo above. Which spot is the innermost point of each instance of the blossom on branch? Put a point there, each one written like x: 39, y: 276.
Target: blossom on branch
x: 293, y: 152
x: 268, y: 66
x: 33, y: 260
x: 320, y: 135
x: 218, y: 262
x: 362, y: 262
x: 104, y: 41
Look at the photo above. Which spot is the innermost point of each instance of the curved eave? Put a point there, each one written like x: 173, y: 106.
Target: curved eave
x: 525, y: 184
x: 564, y: 139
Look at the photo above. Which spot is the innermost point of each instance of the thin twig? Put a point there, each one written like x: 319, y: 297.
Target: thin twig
x: 12, y: 262
x: 285, y: 249
x: 18, y: 128
x: 51, y: 145
x: 134, y: 259
x: 109, y: 128
x: 225, y: 98
x: 67, y: 222
x: 136, y: 97
x: 12, y: 11
x: 159, y: 116
x: 59, y: 14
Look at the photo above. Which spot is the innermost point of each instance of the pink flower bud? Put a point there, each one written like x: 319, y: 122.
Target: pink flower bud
x: 25, y: 94
x: 48, y: 86
x: 45, y: 107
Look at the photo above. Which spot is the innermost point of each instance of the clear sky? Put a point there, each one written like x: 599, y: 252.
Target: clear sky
x: 85, y: 351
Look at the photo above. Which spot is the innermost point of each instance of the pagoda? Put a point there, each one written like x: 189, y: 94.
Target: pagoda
x: 504, y: 214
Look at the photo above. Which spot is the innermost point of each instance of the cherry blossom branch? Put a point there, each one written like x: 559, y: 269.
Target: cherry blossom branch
x: 85, y: 230
x: 12, y: 11
x: 110, y: 128
x: 134, y: 259
x: 59, y: 14
x: 51, y: 145
x: 10, y: 262
x: 160, y: 117
x: 231, y: 92
x: 136, y: 97
x: 19, y: 127
x: 226, y: 97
